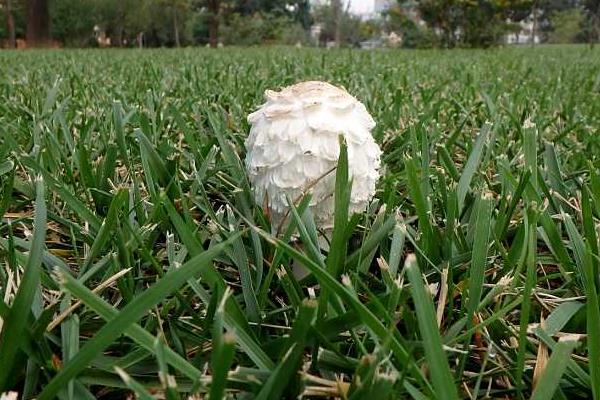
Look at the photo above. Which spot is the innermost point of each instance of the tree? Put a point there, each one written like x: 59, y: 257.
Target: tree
x: 125, y: 22
x: 214, y: 11
x: 175, y: 10
x: 404, y: 19
x: 219, y: 12
x: 177, y: 7
x: 38, y: 23
x: 151, y: 22
x: 566, y: 26
x: 443, y: 16
x: 336, y: 8
x: 339, y: 25
x: 73, y: 21
x: 472, y: 23
x: 10, y: 25
x: 592, y: 26
x: 302, y: 13
x: 483, y: 23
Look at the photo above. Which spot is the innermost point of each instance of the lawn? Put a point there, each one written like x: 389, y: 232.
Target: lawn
x: 134, y: 260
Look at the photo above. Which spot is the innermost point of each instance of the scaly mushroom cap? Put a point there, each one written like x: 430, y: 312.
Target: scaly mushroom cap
x: 293, y: 143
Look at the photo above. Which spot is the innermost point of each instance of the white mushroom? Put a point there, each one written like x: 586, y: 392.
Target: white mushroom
x: 293, y: 148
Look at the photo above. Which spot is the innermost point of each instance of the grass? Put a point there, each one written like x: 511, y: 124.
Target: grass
x: 133, y: 259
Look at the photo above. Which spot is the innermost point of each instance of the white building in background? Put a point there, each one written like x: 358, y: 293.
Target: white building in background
x: 365, y: 9
x: 315, y: 32
x: 525, y: 34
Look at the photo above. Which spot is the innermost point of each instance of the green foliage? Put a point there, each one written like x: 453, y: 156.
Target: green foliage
x: 566, y: 26
x: 420, y: 23
x: 260, y: 28
x: 73, y: 22
x: 19, y: 15
x: 472, y: 23
x: 404, y: 21
x: 591, y: 25
x: 134, y: 261
x: 169, y: 22
x: 350, y: 26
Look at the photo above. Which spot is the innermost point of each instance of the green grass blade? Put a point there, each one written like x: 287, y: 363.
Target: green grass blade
x: 107, y: 230
x: 472, y: 165
x: 288, y: 367
x: 560, y: 316
x: 337, y: 254
x: 130, y: 314
x: 223, y: 346
x: 136, y: 332
x: 138, y: 388
x: 593, y: 322
x: 6, y: 166
x: 483, y: 227
x: 437, y: 361
x: 550, y: 379
x: 530, y: 260
x: 17, y: 320
x: 421, y: 206
x: 367, y: 317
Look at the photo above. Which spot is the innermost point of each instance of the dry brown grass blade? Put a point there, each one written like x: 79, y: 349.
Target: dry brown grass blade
x: 541, y: 360
x: 443, y: 295
x: 325, y: 387
x: 57, y: 321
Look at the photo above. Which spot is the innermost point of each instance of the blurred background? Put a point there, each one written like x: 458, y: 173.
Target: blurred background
x: 325, y: 23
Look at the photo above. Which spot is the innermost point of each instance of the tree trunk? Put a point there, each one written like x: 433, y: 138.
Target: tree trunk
x: 119, y: 36
x: 336, y: 6
x: 597, y: 25
x: 10, y: 25
x: 535, y: 23
x: 593, y: 11
x: 595, y: 28
x: 38, y: 23
x: 119, y: 30
x: 176, y: 28
x: 213, y: 23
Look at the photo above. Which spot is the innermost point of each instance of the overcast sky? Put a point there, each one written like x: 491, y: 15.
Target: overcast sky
x: 356, y: 6
x: 361, y: 6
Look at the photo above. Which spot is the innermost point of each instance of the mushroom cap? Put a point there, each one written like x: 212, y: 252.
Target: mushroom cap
x: 293, y: 144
